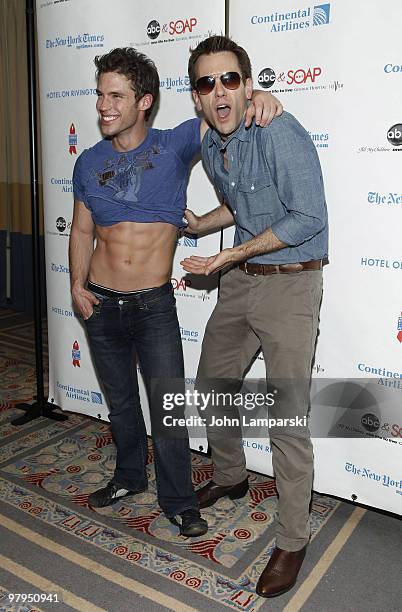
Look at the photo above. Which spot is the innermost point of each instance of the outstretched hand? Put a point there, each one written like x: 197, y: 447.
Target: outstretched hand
x: 208, y: 265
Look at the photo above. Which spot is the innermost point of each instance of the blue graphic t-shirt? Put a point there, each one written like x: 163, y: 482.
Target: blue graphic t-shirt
x: 145, y: 185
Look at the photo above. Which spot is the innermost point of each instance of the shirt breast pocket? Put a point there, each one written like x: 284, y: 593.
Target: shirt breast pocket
x: 255, y: 193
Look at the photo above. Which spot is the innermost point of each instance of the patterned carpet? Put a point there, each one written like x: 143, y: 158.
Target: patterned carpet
x: 74, y: 457
x: 47, y: 470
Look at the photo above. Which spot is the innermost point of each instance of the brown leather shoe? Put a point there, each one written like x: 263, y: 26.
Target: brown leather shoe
x: 209, y: 494
x: 280, y: 573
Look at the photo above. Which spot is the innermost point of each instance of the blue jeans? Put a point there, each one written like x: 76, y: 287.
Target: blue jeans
x: 142, y: 325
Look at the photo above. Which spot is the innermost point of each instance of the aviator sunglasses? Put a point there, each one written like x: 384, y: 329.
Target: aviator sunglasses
x: 230, y: 80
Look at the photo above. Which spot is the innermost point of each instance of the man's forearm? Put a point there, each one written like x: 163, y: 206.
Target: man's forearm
x: 80, y: 252
x: 266, y: 242
x: 215, y: 219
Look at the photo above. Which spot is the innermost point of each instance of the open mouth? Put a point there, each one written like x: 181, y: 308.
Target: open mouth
x: 223, y: 111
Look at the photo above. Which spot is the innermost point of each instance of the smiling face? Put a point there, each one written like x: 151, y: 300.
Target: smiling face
x: 120, y: 114
x: 223, y: 108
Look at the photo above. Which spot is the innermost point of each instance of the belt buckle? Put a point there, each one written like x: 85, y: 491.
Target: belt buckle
x: 247, y: 272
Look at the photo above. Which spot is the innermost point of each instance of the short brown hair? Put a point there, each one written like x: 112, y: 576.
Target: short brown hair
x: 136, y: 67
x: 217, y: 44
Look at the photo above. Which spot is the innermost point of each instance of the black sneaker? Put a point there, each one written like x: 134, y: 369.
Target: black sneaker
x: 192, y: 525
x: 108, y: 495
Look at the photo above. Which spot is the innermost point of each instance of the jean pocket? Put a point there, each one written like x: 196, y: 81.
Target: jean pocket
x: 96, y: 310
x: 162, y: 303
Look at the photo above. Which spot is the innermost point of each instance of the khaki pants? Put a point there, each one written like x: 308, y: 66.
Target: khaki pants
x: 278, y: 313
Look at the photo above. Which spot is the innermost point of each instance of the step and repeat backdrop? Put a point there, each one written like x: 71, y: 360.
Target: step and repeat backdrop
x: 338, y: 69
x: 70, y: 35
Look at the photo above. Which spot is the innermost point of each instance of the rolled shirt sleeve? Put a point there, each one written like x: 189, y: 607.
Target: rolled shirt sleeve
x: 297, y: 174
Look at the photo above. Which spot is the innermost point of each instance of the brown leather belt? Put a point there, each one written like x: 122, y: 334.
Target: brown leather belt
x: 256, y: 269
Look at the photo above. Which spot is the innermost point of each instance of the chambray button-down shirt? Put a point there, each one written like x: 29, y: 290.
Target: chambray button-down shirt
x: 273, y: 180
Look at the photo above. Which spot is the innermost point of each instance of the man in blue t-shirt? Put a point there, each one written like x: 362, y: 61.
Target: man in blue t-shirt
x: 130, y: 195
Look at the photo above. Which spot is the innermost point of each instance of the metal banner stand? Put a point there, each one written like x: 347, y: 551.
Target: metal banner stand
x: 41, y: 407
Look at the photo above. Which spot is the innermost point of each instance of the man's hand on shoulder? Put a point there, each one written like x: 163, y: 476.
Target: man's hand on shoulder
x: 84, y: 300
x: 262, y: 108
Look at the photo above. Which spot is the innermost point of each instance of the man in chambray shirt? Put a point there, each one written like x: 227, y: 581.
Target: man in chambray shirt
x: 272, y: 190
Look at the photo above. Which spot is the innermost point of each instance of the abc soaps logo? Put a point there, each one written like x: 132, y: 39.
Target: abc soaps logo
x: 394, y: 135
x: 371, y: 423
x: 267, y: 76
x: 180, y: 283
x: 180, y: 26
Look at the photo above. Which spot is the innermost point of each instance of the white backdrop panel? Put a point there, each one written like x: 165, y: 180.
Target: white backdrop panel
x: 321, y: 60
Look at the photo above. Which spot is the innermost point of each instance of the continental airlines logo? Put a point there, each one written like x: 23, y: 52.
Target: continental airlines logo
x: 80, y: 394
x: 188, y: 240
x: 294, y: 20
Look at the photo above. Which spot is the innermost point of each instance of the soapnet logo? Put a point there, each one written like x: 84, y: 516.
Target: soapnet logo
x: 153, y: 29
x: 182, y: 26
x: 173, y: 28
x: 394, y: 135
x: 300, y: 76
x: 266, y: 78
x: 180, y: 284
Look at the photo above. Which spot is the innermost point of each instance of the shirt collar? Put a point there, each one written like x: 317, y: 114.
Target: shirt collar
x: 242, y: 133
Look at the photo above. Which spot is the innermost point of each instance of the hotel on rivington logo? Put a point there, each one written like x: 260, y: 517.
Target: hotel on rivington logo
x: 399, y: 329
x: 300, y: 19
